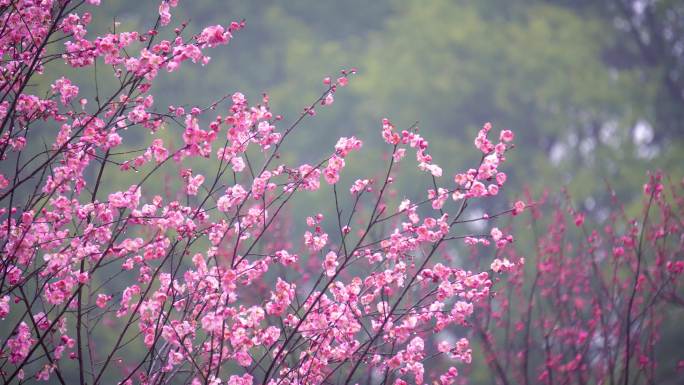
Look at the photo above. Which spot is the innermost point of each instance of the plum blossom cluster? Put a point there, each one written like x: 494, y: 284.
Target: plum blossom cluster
x: 190, y: 274
x: 594, y: 305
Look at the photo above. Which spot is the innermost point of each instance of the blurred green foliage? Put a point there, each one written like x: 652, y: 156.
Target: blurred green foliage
x: 567, y: 77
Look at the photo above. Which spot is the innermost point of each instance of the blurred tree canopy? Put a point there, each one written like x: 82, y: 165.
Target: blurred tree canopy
x: 592, y: 88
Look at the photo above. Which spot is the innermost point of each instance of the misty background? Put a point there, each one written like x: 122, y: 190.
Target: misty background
x: 593, y: 89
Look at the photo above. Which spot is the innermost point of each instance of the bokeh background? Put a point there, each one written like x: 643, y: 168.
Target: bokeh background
x: 593, y: 89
